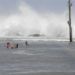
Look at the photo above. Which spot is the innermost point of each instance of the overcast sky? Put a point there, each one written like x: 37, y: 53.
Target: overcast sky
x: 10, y: 6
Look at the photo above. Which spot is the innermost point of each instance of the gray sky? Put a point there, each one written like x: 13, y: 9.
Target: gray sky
x: 48, y: 5
x: 11, y: 6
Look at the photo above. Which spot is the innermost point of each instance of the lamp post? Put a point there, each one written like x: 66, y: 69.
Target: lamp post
x: 69, y: 22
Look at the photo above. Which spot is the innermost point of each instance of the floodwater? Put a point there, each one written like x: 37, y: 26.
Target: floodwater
x: 39, y: 58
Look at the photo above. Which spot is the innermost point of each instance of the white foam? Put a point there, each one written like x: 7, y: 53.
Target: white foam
x: 21, y: 52
x: 28, y: 21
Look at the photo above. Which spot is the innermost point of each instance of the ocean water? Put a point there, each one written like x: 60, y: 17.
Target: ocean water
x: 39, y: 58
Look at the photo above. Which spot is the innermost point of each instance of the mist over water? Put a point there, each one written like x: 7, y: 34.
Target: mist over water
x: 27, y: 21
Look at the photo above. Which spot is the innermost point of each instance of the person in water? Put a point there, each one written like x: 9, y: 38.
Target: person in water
x: 26, y: 43
x: 17, y: 45
x: 8, y: 44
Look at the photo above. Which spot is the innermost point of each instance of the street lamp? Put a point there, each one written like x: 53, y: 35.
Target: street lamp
x: 69, y: 22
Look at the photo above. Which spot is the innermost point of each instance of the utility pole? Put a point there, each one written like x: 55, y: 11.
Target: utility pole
x: 69, y: 22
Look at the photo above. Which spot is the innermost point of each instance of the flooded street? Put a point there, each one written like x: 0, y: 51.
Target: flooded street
x: 39, y: 58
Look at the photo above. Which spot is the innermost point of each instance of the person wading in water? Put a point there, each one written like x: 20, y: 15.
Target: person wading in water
x: 26, y: 43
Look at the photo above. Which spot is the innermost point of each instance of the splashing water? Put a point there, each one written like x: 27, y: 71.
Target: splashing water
x: 27, y: 21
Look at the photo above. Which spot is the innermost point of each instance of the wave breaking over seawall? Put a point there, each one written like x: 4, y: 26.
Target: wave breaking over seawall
x: 27, y: 21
